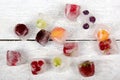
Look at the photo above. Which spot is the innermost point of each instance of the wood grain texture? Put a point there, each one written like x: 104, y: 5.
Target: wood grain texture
x: 26, y: 11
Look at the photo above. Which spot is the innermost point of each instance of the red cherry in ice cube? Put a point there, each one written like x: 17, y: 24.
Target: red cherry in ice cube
x: 87, y: 69
x: 21, y: 30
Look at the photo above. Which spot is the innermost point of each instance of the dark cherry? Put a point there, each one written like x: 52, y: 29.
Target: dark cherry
x: 92, y: 19
x: 42, y: 37
x: 86, y: 26
x: 21, y: 30
x: 85, y: 12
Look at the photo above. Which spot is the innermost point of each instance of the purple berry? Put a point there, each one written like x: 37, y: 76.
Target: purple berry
x: 42, y: 37
x: 85, y: 12
x: 92, y: 19
x: 86, y: 26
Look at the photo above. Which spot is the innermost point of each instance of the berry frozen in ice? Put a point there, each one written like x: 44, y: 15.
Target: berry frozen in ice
x: 38, y: 66
x: 42, y: 37
x: 21, y: 30
x: 58, y: 34
x: 85, y: 12
x: 72, y: 11
x: 70, y: 49
x: 42, y: 24
x: 13, y: 58
x: 86, y: 26
x: 92, y: 19
x: 105, y: 46
x: 87, y: 68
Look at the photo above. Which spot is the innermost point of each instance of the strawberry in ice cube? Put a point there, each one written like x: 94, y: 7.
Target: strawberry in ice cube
x: 13, y: 58
x: 87, y: 68
x: 37, y: 66
x: 72, y: 11
x: 70, y: 49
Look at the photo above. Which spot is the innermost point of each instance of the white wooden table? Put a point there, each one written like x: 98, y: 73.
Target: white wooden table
x: 16, y: 11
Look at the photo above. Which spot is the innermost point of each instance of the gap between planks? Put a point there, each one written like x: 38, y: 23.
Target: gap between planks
x: 51, y: 40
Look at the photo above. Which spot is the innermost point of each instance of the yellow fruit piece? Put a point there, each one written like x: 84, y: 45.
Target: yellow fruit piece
x: 102, y: 35
x: 58, y: 33
x: 57, y: 61
x: 41, y: 24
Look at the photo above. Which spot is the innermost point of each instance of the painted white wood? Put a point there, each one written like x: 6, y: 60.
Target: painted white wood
x: 26, y: 11
x: 20, y: 11
x: 107, y: 66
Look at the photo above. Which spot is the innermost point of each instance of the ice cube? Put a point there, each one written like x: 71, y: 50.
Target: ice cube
x: 38, y: 66
x: 60, y: 63
x: 42, y: 37
x: 70, y: 49
x: 21, y: 30
x: 72, y: 11
x: 58, y: 34
x: 13, y: 58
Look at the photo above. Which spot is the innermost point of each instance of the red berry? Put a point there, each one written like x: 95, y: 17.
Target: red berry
x: 107, y: 46
x: 34, y: 64
x: 21, y: 30
x: 101, y: 45
x: 108, y: 40
x: 34, y: 72
x: 40, y: 63
x: 73, y: 8
x: 87, y: 69
x: 37, y: 68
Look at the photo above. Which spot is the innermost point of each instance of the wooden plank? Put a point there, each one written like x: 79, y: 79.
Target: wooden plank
x: 20, y: 11
x: 107, y: 67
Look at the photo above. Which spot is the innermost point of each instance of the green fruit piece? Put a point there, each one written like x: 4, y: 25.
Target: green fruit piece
x: 57, y: 61
x: 41, y: 24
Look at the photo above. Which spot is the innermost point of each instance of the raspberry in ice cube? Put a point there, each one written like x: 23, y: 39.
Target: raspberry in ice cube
x: 72, y: 11
x: 13, y: 58
x: 38, y: 66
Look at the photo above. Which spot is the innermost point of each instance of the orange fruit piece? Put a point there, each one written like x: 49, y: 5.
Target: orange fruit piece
x: 58, y: 34
x: 102, y: 35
